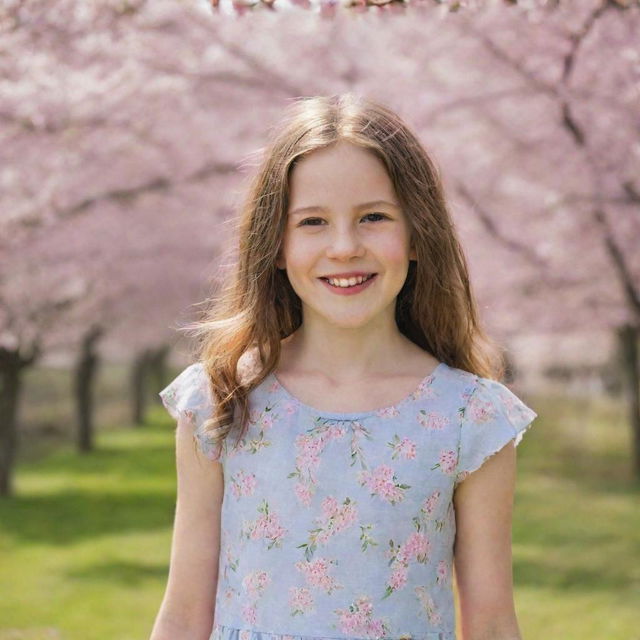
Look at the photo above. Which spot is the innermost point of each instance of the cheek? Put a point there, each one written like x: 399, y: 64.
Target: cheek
x: 394, y: 249
x: 299, y: 253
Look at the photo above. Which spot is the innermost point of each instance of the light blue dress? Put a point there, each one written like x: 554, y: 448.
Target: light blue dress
x: 342, y: 525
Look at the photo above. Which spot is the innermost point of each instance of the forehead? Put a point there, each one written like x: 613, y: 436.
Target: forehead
x: 340, y: 175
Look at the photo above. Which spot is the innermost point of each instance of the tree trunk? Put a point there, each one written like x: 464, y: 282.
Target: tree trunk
x: 11, y: 365
x: 149, y: 371
x: 628, y: 336
x: 9, y: 397
x: 158, y: 370
x: 84, y: 385
x: 139, y: 385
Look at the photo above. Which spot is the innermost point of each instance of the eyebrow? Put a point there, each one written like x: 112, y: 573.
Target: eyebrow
x: 364, y: 205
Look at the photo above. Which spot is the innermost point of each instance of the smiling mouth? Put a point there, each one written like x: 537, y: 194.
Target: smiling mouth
x: 347, y: 281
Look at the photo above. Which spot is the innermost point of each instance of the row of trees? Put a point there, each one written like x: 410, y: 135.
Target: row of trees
x: 128, y: 131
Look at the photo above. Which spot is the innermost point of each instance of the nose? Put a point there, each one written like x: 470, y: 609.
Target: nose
x: 345, y: 242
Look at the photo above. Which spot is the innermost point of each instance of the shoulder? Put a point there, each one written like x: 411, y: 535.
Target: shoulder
x: 476, y: 389
x: 492, y: 400
x: 457, y: 383
x: 188, y: 393
x: 479, y: 399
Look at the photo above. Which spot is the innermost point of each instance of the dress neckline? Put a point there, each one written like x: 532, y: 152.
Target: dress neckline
x: 357, y: 415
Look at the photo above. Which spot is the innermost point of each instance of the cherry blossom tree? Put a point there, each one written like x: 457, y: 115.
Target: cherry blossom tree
x: 129, y: 129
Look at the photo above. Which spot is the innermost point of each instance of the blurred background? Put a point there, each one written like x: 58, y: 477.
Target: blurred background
x: 128, y: 132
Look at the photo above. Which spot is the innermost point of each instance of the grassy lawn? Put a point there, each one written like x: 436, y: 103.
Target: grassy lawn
x: 84, y: 545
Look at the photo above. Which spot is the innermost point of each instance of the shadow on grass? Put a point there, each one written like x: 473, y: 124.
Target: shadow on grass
x: 127, y: 486
x: 123, y: 573
x: 72, y: 515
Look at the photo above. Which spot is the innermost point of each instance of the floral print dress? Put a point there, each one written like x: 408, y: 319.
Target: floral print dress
x: 342, y: 525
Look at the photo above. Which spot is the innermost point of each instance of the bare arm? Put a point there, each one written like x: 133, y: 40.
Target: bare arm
x: 483, y: 561
x: 187, y: 609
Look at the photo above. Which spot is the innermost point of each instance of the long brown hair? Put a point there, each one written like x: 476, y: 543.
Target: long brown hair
x: 239, y: 337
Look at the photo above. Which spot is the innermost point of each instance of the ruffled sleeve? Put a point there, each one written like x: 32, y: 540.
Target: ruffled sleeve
x: 493, y: 416
x: 189, y: 395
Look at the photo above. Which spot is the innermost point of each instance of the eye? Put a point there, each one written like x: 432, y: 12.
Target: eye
x: 376, y: 214
x: 305, y: 222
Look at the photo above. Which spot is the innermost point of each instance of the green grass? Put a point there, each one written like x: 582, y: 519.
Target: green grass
x: 84, y: 544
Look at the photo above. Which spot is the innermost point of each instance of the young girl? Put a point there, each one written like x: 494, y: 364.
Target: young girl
x: 350, y: 432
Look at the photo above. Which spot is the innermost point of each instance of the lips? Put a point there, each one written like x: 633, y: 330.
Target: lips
x: 346, y: 277
x: 350, y: 289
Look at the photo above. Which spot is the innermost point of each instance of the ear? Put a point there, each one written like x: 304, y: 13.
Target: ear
x: 280, y: 263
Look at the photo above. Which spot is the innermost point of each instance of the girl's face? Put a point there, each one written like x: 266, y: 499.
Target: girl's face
x: 331, y: 230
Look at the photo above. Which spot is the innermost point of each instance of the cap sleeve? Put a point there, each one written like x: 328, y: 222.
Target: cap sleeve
x: 493, y: 416
x: 189, y: 395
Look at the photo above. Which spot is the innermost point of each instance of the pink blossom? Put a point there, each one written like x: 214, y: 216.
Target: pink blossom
x: 442, y: 571
x: 433, y: 420
x: 430, y: 503
x: 480, y: 410
x: 300, y: 600
x: 303, y: 493
x: 398, y: 577
x: 448, y: 460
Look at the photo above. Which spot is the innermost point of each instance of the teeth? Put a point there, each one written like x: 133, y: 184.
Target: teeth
x: 343, y: 282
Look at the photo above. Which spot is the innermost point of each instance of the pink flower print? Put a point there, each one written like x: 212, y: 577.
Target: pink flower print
x: 442, y: 572
x: 267, y: 526
x: 245, y: 634
x: 254, y: 583
x: 433, y: 420
x: 300, y: 600
x: 303, y: 493
x: 383, y: 483
x: 388, y: 412
x: 357, y: 620
x: 260, y: 421
x: 243, y: 484
x: 249, y: 613
x: 405, y: 448
x: 266, y: 421
x: 230, y: 562
x: 447, y: 461
x: 480, y: 410
x: 426, y: 390
x: 335, y: 518
x: 289, y: 408
x: 398, y: 578
x: 329, y: 507
x: 429, y: 505
x: 309, y: 448
x: 428, y: 605
x: 335, y: 432
x: 316, y: 574
x: 416, y: 547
